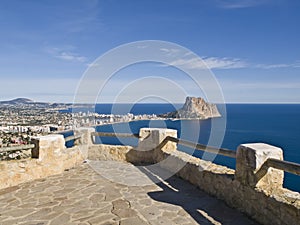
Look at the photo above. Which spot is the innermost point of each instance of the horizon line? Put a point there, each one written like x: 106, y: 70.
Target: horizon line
x: 73, y: 103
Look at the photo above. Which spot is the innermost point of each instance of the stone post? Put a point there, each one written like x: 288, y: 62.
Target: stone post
x: 86, y: 138
x: 47, y: 147
x: 250, y: 170
x: 151, y: 138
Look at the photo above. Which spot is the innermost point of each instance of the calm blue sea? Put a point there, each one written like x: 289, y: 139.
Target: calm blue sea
x: 278, y: 125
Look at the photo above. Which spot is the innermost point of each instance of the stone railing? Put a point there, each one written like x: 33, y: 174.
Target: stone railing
x: 15, y: 152
x: 49, y: 156
x: 255, y: 187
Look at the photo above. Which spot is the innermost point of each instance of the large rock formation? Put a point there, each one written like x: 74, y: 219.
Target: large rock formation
x: 194, y: 108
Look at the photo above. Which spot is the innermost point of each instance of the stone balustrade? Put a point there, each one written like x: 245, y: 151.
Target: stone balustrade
x: 49, y: 157
x: 258, y: 194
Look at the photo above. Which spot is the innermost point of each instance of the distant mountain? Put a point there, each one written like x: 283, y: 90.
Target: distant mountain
x: 194, y: 108
x: 17, y: 101
x: 25, y: 102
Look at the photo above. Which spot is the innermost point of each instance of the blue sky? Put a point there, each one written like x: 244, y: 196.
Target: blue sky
x: 251, y: 46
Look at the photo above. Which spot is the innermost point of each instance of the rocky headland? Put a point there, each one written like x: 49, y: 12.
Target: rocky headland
x: 194, y: 108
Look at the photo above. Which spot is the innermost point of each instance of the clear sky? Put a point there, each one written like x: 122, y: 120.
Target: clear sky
x: 252, y: 46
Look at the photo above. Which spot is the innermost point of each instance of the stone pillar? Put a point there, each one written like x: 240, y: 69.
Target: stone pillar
x: 85, y: 141
x: 86, y: 138
x: 47, y: 147
x: 151, y: 138
x: 250, y: 170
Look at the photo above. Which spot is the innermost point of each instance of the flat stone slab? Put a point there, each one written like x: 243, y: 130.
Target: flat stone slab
x: 98, y: 193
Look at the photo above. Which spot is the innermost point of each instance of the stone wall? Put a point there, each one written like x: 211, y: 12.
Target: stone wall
x: 52, y: 157
x: 262, y: 198
x: 278, y: 207
x: 108, y: 152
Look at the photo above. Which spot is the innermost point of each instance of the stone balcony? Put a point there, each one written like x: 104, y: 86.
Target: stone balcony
x: 150, y: 184
x: 84, y: 196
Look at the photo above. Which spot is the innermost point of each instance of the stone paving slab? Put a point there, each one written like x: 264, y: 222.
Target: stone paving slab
x: 112, y: 193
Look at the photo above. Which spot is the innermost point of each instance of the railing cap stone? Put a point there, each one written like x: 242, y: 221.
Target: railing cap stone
x: 48, y: 137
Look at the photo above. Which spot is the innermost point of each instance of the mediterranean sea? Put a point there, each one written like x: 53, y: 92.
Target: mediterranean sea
x: 275, y: 124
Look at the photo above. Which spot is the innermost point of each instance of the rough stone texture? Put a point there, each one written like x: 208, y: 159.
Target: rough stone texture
x: 250, y: 158
x: 86, y: 139
x: 122, y: 200
x: 279, y: 206
x: 54, y: 158
x: 49, y: 146
x: 84, y: 196
x: 267, y: 207
x: 150, y: 139
x: 108, y: 152
x: 195, y: 108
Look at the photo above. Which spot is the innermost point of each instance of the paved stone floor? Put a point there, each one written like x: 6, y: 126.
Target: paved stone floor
x: 112, y: 193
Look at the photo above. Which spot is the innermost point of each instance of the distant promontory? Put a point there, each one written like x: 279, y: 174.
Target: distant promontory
x: 194, y: 108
